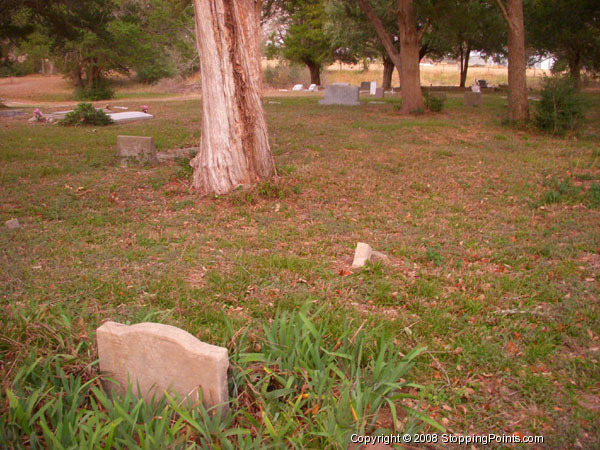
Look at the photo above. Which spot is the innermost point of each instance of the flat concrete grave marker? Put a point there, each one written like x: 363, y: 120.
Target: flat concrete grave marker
x: 473, y: 98
x: 340, y: 94
x: 162, y: 358
x: 298, y: 87
x: 138, y: 149
x: 131, y: 116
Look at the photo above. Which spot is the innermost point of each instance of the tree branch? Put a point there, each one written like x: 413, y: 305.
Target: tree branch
x: 384, y: 36
x: 424, y: 30
x: 504, y: 12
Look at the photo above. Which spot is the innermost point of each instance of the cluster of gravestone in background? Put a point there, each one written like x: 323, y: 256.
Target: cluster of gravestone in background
x: 345, y: 94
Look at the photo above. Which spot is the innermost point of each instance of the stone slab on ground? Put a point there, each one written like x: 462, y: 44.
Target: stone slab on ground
x: 182, y: 153
x: 298, y: 87
x: 59, y: 115
x: 130, y: 116
x: 341, y: 94
x: 11, y: 113
x: 138, y: 149
x: 162, y: 358
x: 473, y: 98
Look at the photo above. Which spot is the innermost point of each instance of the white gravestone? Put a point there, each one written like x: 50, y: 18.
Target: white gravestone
x: 298, y: 87
x: 373, y: 88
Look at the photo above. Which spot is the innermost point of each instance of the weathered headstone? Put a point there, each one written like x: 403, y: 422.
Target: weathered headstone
x: 138, y: 149
x: 473, y: 98
x: 373, y: 88
x: 313, y: 88
x: 379, y: 93
x: 340, y: 94
x: 365, y: 86
x: 362, y: 254
x: 298, y: 87
x: 160, y: 358
x: 12, y: 224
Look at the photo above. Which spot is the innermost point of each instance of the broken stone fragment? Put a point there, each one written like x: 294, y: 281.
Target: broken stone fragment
x: 378, y: 256
x: 12, y: 224
x: 362, y: 254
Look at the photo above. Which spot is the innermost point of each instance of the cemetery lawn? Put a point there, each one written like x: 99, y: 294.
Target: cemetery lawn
x: 492, y: 234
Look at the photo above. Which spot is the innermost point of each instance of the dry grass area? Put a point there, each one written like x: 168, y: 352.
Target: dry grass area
x: 491, y: 232
x: 437, y: 75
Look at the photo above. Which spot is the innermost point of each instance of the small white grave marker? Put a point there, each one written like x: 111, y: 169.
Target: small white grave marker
x: 298, y: 87
x: 373, y: 88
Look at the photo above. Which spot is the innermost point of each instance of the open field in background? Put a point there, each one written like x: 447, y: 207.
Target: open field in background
x: 492, y: 234
x: 438, y: 75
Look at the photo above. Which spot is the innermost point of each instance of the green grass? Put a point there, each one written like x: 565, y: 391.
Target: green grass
x: 492, y: 239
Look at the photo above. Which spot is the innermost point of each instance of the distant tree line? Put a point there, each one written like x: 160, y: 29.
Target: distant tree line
x: 88, y: 39
x: 401, y: 32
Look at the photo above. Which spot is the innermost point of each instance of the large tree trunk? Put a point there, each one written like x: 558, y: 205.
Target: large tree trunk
x: 518, y: 104
x: 388, y: 72
x: 315, y: 72
x: 464, y: 64
x: 410, y: 74
x: 234, y: 148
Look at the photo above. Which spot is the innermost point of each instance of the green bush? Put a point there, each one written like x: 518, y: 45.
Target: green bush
x: 100, y: 90
x: 86, y: 114
x: 561, y: 106
x: 284, y: 75
x: 434, y: 103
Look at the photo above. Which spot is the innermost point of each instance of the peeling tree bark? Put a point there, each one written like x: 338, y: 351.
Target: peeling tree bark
x: 234, y: 148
